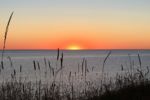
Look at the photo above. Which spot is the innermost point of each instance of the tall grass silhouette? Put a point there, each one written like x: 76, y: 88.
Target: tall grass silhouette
x: 6, y: 32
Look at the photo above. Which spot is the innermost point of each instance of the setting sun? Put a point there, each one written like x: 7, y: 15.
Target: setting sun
x: 74, y: 47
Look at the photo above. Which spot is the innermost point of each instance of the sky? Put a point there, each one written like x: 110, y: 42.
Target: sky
x: 76, y: 24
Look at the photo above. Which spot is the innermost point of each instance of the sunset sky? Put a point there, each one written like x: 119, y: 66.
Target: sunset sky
x: 76, y: 24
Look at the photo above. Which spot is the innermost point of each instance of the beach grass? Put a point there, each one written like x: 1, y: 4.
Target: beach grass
x: 130, y: 85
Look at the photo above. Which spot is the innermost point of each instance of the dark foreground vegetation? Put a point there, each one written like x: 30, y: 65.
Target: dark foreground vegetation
x: 131, y: 86
x: 130, y: 92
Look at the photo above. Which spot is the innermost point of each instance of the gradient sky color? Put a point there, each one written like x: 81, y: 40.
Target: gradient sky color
x: 89, y: 24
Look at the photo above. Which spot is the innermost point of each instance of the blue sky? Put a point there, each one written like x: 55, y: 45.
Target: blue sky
x: 75, y: 3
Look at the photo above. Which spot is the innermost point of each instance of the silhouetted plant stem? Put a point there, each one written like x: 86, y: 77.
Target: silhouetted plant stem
x: 6, y: 32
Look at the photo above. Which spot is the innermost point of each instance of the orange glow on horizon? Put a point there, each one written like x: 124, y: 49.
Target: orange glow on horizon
x: 74, y: 25
x: 74, y: 47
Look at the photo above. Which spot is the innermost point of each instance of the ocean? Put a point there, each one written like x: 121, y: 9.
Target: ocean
x: 74, y: 62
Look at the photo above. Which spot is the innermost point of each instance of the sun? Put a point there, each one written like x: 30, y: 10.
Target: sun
x: 74, y: 47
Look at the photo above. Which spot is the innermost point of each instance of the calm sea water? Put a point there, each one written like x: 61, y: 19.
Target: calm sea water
x: 72, y: 63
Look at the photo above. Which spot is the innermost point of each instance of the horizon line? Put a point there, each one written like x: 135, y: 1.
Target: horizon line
x: 65, y: 49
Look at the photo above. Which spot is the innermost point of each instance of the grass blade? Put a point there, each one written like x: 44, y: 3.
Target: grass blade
x: 6, y: 32
x: 57, y: 54
x: 106, y: 60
